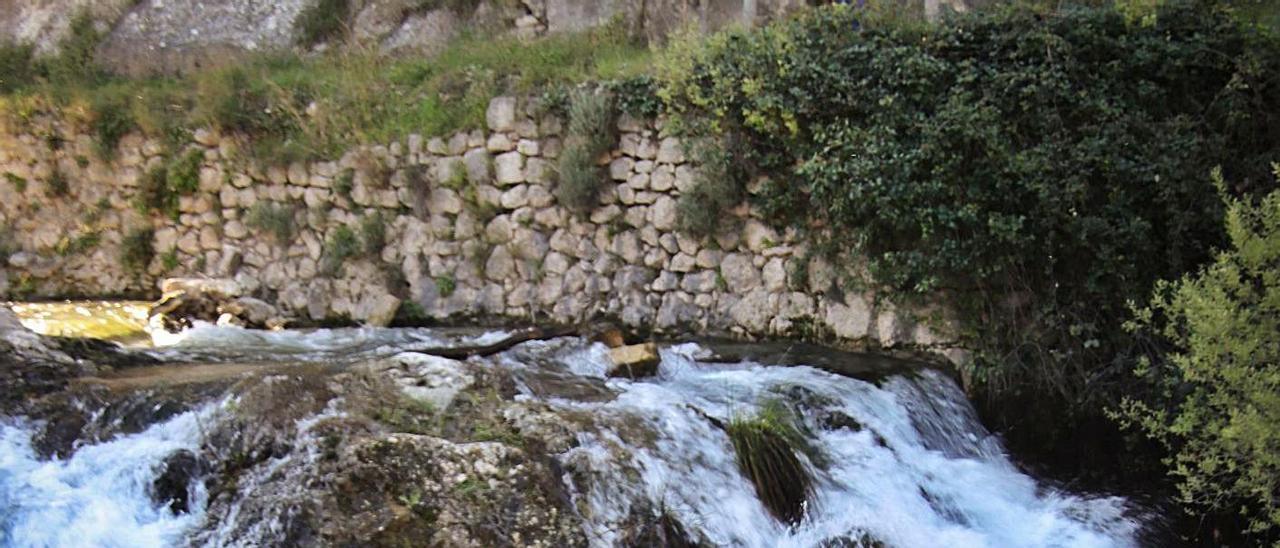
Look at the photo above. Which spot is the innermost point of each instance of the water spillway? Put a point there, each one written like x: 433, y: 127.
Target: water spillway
x: 898, y: 459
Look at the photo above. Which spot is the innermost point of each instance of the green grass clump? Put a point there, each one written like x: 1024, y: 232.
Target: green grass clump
x: 79, y: 244
x: 19, y: 183
x: 341, y: 245
x: 182, y: 175
x: 373, y: 233
x: 8, y: 244
x: 700, y: 211
x: 276, y: 220
x: 160, y: 187
x: 112, y: 120
x: 767, y: 447
x: 169, y: 260
x: 287, y: 107
x: 446, y: 285
x: 17, y: 67
x: 57, y: 185
x: 322, y: 21
x: 153, y: 193
x: 590, y: 134
x: 137, y: 249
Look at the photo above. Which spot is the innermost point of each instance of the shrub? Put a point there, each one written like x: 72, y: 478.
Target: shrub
x: 341, y: 245
x: 275, y: 219
x: 702, y: 211
x: 169, y: 260
x: 153, y: 193
x: 1035, y: 169
x: 75, y: 64
x: 766, y: 447
x: 446, y: 285
x: 589, y: 135
x: 1216, y: 408
x: 8, y: 244
x: 57, y: 186
x: 373, y: 232
x: 137, y: 249
x: 321, y: 21
x: 17, y: 67
x: 182, y: 174
x: 229, y: 100
x: 112, y: 120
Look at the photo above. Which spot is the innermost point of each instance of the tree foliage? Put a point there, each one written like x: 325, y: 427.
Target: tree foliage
x: 1040, y: 168
x: 1218, y: 410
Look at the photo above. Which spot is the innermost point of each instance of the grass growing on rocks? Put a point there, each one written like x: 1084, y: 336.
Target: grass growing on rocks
x: 137, y: 250
x: 591, y: 133
x: 291, y: 107
x: 767, y: 447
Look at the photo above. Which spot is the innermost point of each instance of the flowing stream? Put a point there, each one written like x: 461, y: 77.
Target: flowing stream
x: 901, y: 459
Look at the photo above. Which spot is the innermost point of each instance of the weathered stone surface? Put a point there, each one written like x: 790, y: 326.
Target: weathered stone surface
x: 849, y: 320
x: 501, y: 115
x: 510, y: 168
x: 634, y: 361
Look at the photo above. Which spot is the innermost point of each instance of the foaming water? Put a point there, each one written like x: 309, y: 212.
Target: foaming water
x: 99, y: 496
x: 347, y: 344
x: 905, y: 462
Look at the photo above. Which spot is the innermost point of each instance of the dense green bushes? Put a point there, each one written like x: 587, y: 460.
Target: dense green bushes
x: 1039, y: 168
x: 1218, y: 407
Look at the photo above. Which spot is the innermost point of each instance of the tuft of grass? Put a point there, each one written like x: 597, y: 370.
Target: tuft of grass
x: 766, y: 446
x: 373, y: 233
x: 137, y: 249
x: 275, y: 219
x: 169, y: 260
x: 18, y: 68
x: 345, y: 183
x: 700, y: 212
x: 82, y: 243
x: 590, y: 134
x: 154, y: 195
x: 322, y: 21
x: 182, y: 175
x: 8, y: 244
x: 75, y: 64
x: 290, y: 107
x: 160, y: 187
x: 341, y: 245
x: 112, y: 120
x: 446, y: 285
x: 57, y: 185
x: 19, y: 183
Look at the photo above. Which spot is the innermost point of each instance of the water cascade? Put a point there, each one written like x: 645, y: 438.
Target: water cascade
x: 899, y: 459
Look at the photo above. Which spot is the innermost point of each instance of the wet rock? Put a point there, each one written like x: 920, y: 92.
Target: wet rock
x: 173, y: 487
x: 635, y: 361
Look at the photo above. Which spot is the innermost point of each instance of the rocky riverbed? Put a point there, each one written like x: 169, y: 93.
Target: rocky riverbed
x: 234, y: 437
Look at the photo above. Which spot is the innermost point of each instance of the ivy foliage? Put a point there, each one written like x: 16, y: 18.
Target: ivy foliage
x: 1218, y: 410
x: 1041, y: 168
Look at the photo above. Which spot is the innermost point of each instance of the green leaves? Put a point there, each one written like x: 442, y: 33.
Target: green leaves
x: 1219, y: 409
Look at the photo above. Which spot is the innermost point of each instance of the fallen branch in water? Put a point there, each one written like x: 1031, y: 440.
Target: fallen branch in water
x: 524, y: 335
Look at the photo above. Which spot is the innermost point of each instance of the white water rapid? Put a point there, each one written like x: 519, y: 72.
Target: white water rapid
x: 902, y: 460
x: 98, y: 497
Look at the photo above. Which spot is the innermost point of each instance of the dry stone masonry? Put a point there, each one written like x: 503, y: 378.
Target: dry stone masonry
x: 472, y: 231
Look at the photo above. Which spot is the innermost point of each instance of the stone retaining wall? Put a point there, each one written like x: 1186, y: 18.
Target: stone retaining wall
x: 472, y: 230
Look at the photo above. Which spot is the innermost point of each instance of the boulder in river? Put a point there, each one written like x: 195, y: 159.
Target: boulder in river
x: 635, y: 361
x: 173, y: 487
